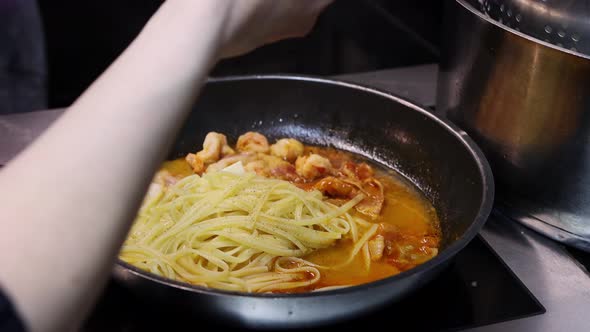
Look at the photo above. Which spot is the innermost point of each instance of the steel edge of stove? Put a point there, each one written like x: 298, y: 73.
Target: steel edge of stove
x: 547, y: 269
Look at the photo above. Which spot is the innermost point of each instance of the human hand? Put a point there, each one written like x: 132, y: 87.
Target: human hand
x: 253, y: 23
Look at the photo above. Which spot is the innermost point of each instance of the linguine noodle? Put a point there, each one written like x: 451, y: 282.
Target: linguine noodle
x: 240, y: 231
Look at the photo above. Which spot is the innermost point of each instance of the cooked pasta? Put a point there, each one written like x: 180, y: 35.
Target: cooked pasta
x: 239, y: 231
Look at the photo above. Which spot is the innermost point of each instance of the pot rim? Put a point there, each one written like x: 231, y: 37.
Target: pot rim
x: 478, y: 13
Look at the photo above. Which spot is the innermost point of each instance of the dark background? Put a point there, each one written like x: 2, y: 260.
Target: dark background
x: 83, y: 37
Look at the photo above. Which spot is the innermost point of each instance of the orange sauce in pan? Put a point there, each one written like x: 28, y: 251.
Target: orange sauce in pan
x: 178, y: 168
x: 409, y: 222
x: 407, y: 212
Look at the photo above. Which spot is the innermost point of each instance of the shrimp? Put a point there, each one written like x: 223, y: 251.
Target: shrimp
x: 376, y: 247
x: 196, y: 164
x: 335, y: 187
x: 372, y: 204
x: 312, y: 166
x: 252, y: 142
x: 215, y: 147
x: 287, y: 148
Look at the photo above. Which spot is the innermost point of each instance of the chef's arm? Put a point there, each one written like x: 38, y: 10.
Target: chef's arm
x: 68, y: 200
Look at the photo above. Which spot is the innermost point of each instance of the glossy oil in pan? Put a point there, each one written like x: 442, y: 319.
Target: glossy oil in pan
x: 439, y: 159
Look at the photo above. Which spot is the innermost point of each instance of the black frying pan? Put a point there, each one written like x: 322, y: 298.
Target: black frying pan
x: 432, y: 153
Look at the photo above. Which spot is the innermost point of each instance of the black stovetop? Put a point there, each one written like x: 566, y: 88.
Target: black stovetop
x: 476, y: 289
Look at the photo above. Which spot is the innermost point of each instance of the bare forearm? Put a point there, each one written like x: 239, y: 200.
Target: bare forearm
x: 69, y: 199
x: 78, y: 186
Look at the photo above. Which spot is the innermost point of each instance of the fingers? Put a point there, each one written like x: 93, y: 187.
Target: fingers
x: 304, y: 20
x: 261, y: 22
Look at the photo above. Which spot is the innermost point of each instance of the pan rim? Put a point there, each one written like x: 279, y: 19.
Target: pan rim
x: 484, y: 210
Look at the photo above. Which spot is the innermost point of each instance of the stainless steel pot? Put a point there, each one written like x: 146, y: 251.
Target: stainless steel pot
x: 520, y: 87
